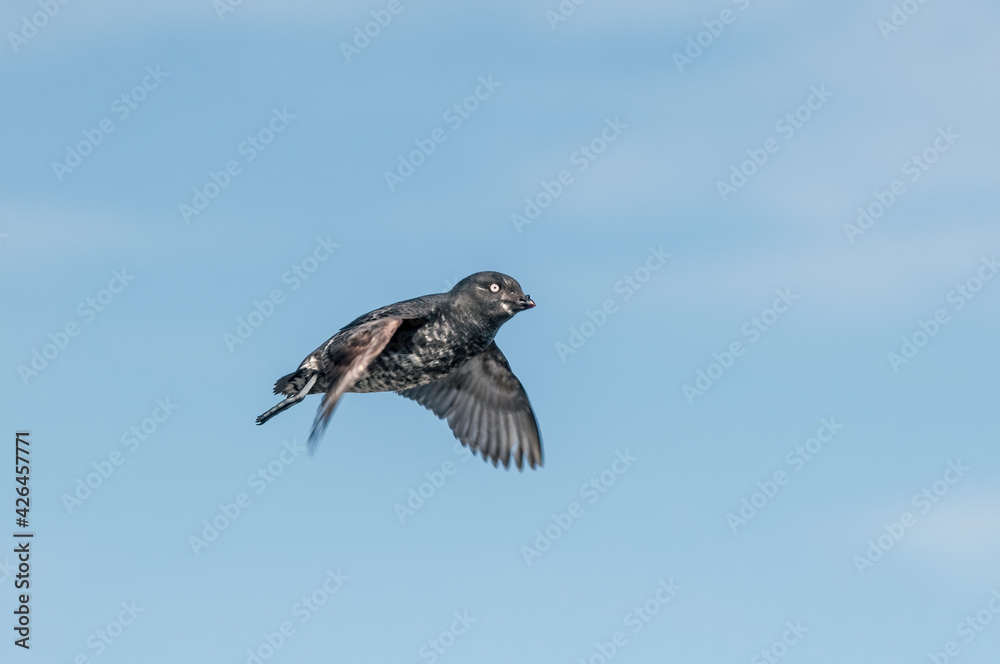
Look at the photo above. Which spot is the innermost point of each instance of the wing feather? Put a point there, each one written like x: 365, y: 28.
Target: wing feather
x: 348, y: 356
x: 487, y: 409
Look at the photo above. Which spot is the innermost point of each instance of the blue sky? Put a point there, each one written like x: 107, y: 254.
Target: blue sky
x: 822, y: 107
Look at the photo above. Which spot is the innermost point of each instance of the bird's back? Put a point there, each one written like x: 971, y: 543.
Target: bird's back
x: 432, y: 341
x: 418, y: 307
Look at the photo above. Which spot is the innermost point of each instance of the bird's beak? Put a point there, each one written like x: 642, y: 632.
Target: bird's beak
x: 525, y: 302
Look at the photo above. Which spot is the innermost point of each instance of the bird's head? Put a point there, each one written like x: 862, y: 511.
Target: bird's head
x: 494, y: 294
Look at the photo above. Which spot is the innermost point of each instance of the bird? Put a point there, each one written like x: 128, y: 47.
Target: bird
x: 439, y: 351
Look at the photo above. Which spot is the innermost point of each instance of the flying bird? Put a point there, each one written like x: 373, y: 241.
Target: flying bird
x: 439, y: 351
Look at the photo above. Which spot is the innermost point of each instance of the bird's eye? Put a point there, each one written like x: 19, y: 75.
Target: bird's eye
x: 494, y: 288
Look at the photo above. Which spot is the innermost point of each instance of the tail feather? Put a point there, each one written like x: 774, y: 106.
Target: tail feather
x: 281, y: 386
x: 289, y: 387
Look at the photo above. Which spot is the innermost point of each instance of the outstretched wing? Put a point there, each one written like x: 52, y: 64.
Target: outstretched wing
x: 346, y: 358
x: 486, y: 408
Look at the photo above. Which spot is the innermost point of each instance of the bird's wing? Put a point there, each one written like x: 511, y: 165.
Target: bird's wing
x: 345, y: 358
x: 486, y: 408
x: 419, y: 307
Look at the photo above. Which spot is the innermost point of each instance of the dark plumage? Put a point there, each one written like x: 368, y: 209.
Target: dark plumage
x: 439, y: 351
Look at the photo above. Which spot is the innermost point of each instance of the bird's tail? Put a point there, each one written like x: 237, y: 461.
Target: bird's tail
x: 287, y: 384
x: 284, y: 384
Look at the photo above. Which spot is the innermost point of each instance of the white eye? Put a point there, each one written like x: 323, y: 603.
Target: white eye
x: 495, y: 288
